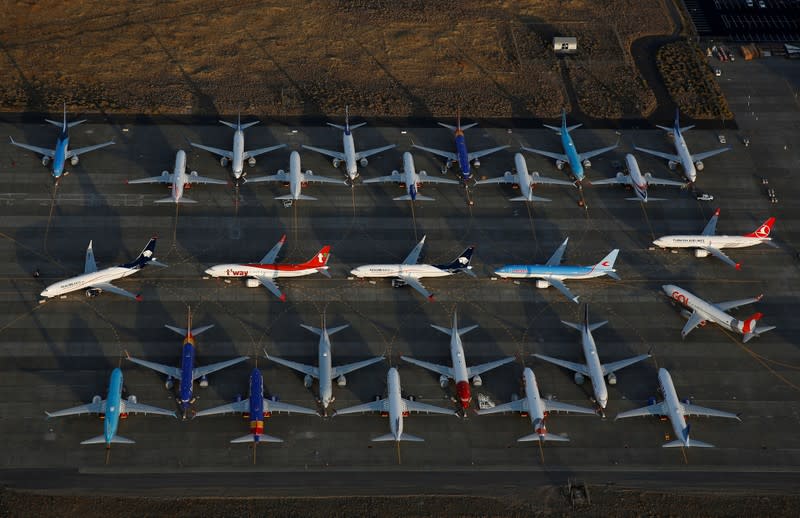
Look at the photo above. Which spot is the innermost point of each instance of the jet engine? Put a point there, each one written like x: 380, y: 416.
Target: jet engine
x: 542, y: 284
x: 252, y: 283
x: 587, y: 163
x: 621, y: 176
x: 578, y: 378
x: 508, y: 174
x: 421, y: 173
x: 308, y: 381
x: 341, y: 381
x: 96, y: 399
x: 168, y: 383
x: 132, y: 399
x: 560, y: 164
x: 476, y: 163
x: 699, y: 252
x: 251, y: 162
x: 612, y: 378
x: 203, y: 382
x: 444, y: 381
x: 223, y: 161
x: 45, y: 160
x: 74, y: 160
x: 477, y: 381
x: 699, y: 165
x: 398, y: 283
x: 336, y: 162
x: 309, y: 172
x: 672, y: 165
x: 363, y: 162
x: 193, y: 173
x: 93, y: 292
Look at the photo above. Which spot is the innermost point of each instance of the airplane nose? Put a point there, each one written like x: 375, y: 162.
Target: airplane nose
x: 355, y: 272
x: 210, y: 272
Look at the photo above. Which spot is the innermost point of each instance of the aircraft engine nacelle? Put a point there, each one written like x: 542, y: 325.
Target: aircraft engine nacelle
x: 542, y: 284
x: 700, y: 253
x: 93, y: 292
x: 579, y: 378
x: 508, y: 174
x: 168, y: 383
x: 421, y: 173
x: 587, y: 163
x: 686, y: 314
x: 309, y: 172
x: 132, y: 399
x: 74, y: 160
x: 223, y: 161
x: 621, y: 176
x: 251, y: 162
x: 560, y: 164
x: 612, y: 378
x: 252, y: 283
x: 477, y: 381
x: 398, y: 283
x: 444, y: 381
x: 164, y: 174
x: 699, y: 165
x: 193, y: 173
x: 336, y: 162
x: 45, y: 160
x: 96, y: 399
x: 686, y: 401
x: 476, y: 163
x: 672, y: 165
x: 203, y: 382
x: 363, y: 162
x: 308, y: 381
x: 341, y: 381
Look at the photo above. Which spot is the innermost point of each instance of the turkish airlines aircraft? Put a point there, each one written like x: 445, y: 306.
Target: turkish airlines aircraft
x: 709, y: 243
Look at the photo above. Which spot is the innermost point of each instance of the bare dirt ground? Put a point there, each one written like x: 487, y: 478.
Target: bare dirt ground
x: 421, y: 58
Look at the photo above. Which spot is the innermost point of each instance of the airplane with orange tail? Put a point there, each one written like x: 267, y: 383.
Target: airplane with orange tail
x: 263, y: 272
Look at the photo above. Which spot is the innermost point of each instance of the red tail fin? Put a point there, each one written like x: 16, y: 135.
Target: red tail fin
x: 762, y: 231
x: 321, y: 259
x: 750, y: 323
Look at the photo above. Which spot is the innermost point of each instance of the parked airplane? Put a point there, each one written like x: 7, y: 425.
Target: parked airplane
x: 350, y: 157
x: 256, y: 407
x: 676, y: 411
x: 638, y: 181
x: 410, y: 273
x: 263, y: 272
x: 538, y: 410
x: 525, y: 180
x: 179, y: 180
x: 412, y: 180
x: 458, y: 371
x: 187, y: 373
x: 325, y: 372
x: 296, y: 179
x: 703, y: 312
x: 592, y: 368
x: 709, y: 243
x: 577, y: 161
x: 238, y: 155
x: 112, y: 409
x: 396, y: 407
x: 61, y: 153
x: 552, y: 273
x: 462, y: 157
x: 95, y: 281
x: 690, y: 163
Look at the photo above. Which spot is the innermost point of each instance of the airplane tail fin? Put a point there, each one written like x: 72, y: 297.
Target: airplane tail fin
x: 299, y: 197
x: 101, y: 439
x: 317, y: 331
x: 750, y: 328
x: 542, y: 437
x: 255, y: 438
x: 606, y: 264
x: 403, y: 437
x: 687, y: 441
x: 188, y: 330
x: 763, y: 230
x: 591, y: 327
x: 172, y: 200
x: 145, y: 256
x: 460, y: 263
x: 320, y: 260
x: 419, y: 197
x: 239, y: 125
x: 461, y: 331
x: 529, y: 198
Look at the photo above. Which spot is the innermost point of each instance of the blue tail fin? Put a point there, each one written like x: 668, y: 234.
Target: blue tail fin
x: 459, y: 263
x: 145, y: 257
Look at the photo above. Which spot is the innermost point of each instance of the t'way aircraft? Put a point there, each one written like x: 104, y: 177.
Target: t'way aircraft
x: 525, y: 180
x: 263, y: 272
x: 709, y: 243
x: 458, y: 371
x: 703, y: 312
x: 638, y: 181
x: 411, y: 179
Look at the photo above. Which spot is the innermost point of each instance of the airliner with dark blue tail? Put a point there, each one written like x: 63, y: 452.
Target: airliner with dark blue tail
x: 187, y: 372
x: 411, y: 179
x: 61, y: 153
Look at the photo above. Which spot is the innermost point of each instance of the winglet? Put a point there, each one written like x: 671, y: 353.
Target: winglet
x: 138, y: 297
x: 431, y: 298
x: 716, y: 212
x: 738, y: 266
x: 282, y: 298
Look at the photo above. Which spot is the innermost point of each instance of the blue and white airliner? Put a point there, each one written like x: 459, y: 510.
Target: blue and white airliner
x: 112, y: 408
x: 61, y: 153
x: 411, y: 179
x: 577, y: 161
x: 638, y: 181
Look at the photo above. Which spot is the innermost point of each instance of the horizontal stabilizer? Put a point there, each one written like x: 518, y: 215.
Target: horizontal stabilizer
x: 532, y: 198
x: 759, y: 331
x: 172, y: 200
x: 385, y: 438
x: 101, y: 439
x: 317, y: 331
x: 461, y: 331
x: 649, y: 198
x: 573, y: 325
x: 419, y: 197
x: 252, y: 438
x: 692, y: 443
x: 299, y: 197
x: 545, y: 437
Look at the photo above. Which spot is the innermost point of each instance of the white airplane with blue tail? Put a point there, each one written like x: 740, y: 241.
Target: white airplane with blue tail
x: 411, y: 179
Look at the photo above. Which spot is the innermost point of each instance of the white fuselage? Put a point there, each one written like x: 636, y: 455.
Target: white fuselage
x: 673, y: 404
x: 705, y: 310
x: 534, y: 401
x: 86, y: 280
x: 459, y: 362
x: 416, y: 271
x: 718, y: 242
x: 295, y: 175
x: 271, y: 271
x: 410, y: 176
x: 524, y: 179
x: 396, y: 406
x: 325, y: 370
x: 594, y: 367
x: 637, y: 181
x: 350, y: 165
x: 237, y: 161
x: 179, y: 179
x: 682, y: 150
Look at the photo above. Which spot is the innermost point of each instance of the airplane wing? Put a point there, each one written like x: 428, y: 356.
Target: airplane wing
x: 278, y: 406
x: 693, y: 322
x: 733, y: 304
x: 217, y: 151
x: 299, y: 367
x: 663, y: 181
x: 329, y: 152
x: 719, y: 254
x: 446, y: 154
x: 321, y: 179
x: 690, y: 410
x: 163, y: 178
x: 199, y: 372
x: 260, y: 151
x: 711, y: 226
x: 555, y: 259
x: 270, y: 285
x: 202, y: 179
x: 651, y: 410
x: 550, y: 181
x: 557, y: 406
x: 230, y: 408
x: 624, y: 180
x: 269, y: 258
x: 369, y: 152
x: 519, y: 405
x: 90, y: 408
x: 40, y: 150
x: 350, y: 367
x: 416, y: 406
x: 549, y: 154
x: 89, y: 265
x: 500, y: 179
x: 278, y: 177
x: 708, y: 154
x: 436, y: 179
x: 163, y: 369
x: 560, y: 286
x: 139, y: 408
x: 477, y: 370
x: 575, y: 367
x: 397, y: 178
x: 373, y: 406
x: 478, y: 154
x: 665, y: 156
x: 438, y: 369
x: 608, y: 368
x: 82, y: 150
x: 414, y: 283
x: 591, y: 154
x: 413, y: 256
x: 107, y: 286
